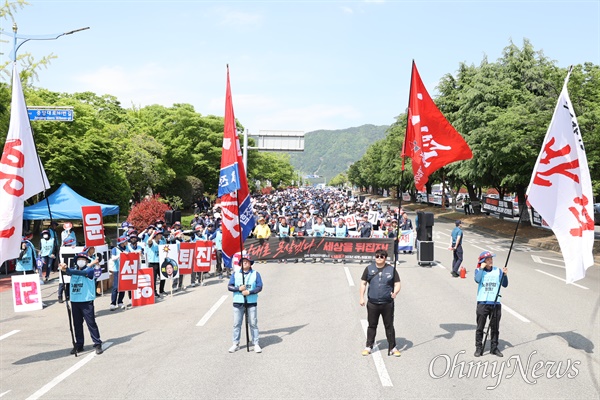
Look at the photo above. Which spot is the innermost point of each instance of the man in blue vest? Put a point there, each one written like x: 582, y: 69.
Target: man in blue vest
x: 83, y: 293
x: 384, y: 286
x: 489, y: 279
x: 245, y: 285
x: 456, y: 247
x: 26, y: 259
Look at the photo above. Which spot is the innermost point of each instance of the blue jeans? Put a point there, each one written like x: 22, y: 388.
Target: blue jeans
x: 115, y: 290
x: 238, y: 315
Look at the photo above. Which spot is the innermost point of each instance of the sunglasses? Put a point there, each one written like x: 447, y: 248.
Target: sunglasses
x: 380, y: 256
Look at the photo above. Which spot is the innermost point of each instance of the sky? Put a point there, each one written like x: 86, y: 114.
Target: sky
x: 294, y: 65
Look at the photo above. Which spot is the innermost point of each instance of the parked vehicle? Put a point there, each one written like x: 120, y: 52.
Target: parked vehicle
x: 597, y: 214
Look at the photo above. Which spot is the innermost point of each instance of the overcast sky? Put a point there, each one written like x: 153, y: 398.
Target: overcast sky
x: 294, y: 65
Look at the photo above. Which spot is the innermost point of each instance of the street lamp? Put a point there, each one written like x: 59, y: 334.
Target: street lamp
x: 25, y: 38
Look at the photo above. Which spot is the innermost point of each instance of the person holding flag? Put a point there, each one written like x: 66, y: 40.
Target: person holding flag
x: 245, y: 285
x: 489, y: 280
x: 83, y: 294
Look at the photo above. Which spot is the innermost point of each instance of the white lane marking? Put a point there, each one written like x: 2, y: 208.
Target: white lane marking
x: 384, y: 377
x: 442, y: 247
x: 212, y: 310
x: 46, y: 388
x: 440, y: 265
x: 513, y: 312
x: 348, y: 276
x: 561, y: 279
x: 9, y: 334
x: 540, y: 260
x: 2, y: 394
x: 480, y: 248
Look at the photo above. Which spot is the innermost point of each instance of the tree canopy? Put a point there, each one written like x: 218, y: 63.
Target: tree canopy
x: 503, y: 110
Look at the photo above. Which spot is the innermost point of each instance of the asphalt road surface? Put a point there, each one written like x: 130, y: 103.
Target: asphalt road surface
x: 312, y: 334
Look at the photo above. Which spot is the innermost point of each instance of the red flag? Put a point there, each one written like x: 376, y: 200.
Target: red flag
x: 431, y: 142
x: 236, y: 208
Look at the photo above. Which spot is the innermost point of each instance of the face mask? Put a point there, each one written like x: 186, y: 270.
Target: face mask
x: 81, y: 263
x: 46, y: 237
x: 159, y: 226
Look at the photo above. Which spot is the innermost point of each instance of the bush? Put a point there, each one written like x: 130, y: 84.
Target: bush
x: 147, y: 211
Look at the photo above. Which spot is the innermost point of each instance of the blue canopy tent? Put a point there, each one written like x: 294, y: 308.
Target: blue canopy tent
x: 65, y: 203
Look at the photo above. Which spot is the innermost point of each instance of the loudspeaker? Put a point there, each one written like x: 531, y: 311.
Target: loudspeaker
x: 361, y: 199
x: 172, y: 216
x: 349, y: 193
x: 425, y: 252
x: 428, y: 219
x: 424, y: 226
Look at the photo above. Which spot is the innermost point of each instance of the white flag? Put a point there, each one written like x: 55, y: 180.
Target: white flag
x: 21, y: 173
x: 561, y: 189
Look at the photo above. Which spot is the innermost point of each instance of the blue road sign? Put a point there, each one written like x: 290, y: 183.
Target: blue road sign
x: 49, y: 114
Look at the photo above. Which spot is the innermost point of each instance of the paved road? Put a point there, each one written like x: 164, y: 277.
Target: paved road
x: 312, y: 334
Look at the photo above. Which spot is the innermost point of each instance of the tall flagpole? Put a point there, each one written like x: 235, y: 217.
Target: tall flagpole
x: 402, y: 170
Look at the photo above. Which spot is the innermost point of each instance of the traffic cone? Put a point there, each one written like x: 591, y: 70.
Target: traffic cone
x: 463, y: 272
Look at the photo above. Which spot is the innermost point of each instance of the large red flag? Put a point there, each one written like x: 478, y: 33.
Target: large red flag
x: 431, y: 142
x: 236, y: 209
x: 21, y: 173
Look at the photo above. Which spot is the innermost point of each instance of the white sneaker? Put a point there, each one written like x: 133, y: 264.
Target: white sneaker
x: 193, y: 284
x: 234, y: 348
x: 121, y: 306
x: 257, y: 348
x: 113, y: 307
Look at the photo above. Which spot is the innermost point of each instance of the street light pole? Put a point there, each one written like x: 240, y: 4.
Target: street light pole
x: 26, y: 38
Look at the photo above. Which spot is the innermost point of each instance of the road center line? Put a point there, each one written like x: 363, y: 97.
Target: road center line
x: 384, y: 377
x: 2, y: 394
x: 212, y: 310
x: 561, y: 279
x: 46, y: 388
x: 513, y: 312
x: 348, y: 276
x: 9, y: 334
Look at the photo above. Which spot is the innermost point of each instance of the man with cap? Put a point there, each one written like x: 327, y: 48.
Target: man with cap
x: 82, y: 295
x: 26, y: 259
x: 116, y: 297
x: 456, y: 247
x: 156, y: 239
x: 489, y: 279
x: 47, y: 244
x: 262, y: 230
x: 245, y: 285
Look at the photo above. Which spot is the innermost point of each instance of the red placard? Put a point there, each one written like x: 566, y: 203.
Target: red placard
x: 93, y: 227
x: 129, y: 264
x: 186, y: 257
x: 144, y: 294
x: 203, y: 255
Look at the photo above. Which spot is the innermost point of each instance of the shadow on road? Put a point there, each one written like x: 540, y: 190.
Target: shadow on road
x: 274, y: 336
x: 56, y: 354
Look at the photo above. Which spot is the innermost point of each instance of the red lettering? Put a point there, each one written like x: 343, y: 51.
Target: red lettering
x: 586, y: 223
x: 6, y: 233
x: 559, y: 169
x: 12, y: 156
x: 8, y: 185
